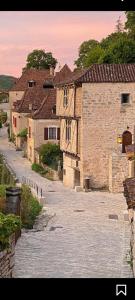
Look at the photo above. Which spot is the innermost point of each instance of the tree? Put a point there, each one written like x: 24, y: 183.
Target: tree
x: 84, y: 49
x: 111, y: 38
x: 39, y: 59
x: 130, y: 23
x: 119, y: 25
x: 122, y: 51
x: 93, y: 56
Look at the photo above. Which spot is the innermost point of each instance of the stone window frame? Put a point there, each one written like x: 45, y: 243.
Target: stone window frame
x: 128, y: 98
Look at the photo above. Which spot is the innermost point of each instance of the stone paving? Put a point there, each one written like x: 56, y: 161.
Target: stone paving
x: 79, y: 239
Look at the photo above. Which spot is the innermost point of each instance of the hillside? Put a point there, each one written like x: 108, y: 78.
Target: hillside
x: 6, y: 82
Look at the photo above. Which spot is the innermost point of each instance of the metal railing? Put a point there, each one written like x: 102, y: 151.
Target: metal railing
x: 32, y: 184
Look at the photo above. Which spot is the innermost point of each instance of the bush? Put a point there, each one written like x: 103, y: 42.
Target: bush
x: 39, y: 169
x: 12, y: 138
x: 8, y: 225
x: 23, y: 133
x: 30, y: 207
x: 0, y: 124
x: 3, y: 117
x: 50, y: 154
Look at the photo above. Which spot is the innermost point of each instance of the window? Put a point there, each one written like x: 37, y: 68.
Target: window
x: 68, y: 130
x: 31, y: 83
x: 54, y: 110
x: 29, y: 132
x: 52, y: 133
x: 124, y: 98
x: 65, y: 99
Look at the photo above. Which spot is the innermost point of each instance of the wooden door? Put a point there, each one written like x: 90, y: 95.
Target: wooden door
x: 126, y: 140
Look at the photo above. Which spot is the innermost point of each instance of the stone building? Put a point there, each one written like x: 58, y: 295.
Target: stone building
x: 96, y: 108
x: 33, y: 96
x: 43, y: 126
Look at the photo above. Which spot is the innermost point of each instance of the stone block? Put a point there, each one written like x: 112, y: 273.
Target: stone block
x: 78, y: 188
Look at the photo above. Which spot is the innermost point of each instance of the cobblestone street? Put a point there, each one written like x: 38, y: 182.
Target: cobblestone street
x: 87, y: 235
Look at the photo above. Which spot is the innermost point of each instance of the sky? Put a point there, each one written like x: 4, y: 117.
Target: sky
x: 59, y: 32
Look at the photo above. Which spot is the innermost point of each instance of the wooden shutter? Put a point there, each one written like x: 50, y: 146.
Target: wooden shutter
x: 15, y: 123
x: 58, y: 133
x: 46, y: 133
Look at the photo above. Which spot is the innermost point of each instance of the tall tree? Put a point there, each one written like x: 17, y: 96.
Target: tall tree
x: 119, y: 25
x: 39, y: 59
x: 84, y: 50
x: 130, y: 23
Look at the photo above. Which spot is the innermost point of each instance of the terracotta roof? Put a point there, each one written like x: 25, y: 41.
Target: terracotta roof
x: 32, y: 74
x: 32, y: 96
x: 45, y: 109
x: 71, y: 78
x: 62, y: 74
x: 103, y: 73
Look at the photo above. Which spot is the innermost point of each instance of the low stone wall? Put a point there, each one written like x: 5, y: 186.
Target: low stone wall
x: 7, y: 259
x: 118, y: 172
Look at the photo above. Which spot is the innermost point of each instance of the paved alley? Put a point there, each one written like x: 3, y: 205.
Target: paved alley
x: 88, y: 234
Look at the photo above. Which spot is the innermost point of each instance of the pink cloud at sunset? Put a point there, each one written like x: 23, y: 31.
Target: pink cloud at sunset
x: 58, y: 32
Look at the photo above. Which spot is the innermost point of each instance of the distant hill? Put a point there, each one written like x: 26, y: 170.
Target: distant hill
x: 6, y: 82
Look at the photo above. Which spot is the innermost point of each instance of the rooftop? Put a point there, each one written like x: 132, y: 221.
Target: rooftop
x: 97, y: 73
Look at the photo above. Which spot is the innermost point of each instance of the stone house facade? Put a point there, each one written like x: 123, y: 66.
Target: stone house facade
x: 96, y: 107
x: 33, y: 106
x: 43, y: 126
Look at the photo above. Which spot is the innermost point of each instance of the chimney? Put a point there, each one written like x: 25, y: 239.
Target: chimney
x: 52, y: 68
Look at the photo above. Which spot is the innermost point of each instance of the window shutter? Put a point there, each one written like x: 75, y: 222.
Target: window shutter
x: 46, y: 133
x: 58, y: 133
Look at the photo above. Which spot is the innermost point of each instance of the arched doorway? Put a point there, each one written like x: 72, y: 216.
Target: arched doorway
x: 126, y: 140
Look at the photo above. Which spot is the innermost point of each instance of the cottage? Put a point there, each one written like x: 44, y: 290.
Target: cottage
x: 96, y: 107
x: 33, y: 97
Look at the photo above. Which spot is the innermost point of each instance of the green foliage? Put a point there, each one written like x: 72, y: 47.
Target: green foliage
x: 3, y: 117
x: 39, y: 169
x: 118, y: 47
x: 30, y: 207
x: 121, y: 51
x: 39, y: 59
x: 85, y: 48
x: 0, y: 124
x: 94, y: 56
x: 3, y: 97
x: 23, y: 133
x: 8, y: 225
x: 12, y: 138
x: 50, y: 154
x: 6, y: 82
x: 130, y: 23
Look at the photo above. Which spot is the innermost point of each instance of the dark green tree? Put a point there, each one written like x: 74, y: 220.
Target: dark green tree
x: 85, y: 48
x: 130, y: 23
x: 39, y: 59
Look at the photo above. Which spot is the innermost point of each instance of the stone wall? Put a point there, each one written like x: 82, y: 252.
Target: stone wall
x: 103, y: 119
x: 37, y: 135
x: 7, y: 260
x: 118, y: 172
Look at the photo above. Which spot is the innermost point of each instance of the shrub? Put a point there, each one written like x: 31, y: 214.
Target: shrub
x: 30, y: 207
x: 12, y: 138
x: 39, y: 169
x: 8, y: 225
x: 0, y: 124
x: 50, y: 154
x: 23, y: 133
x: 3, y: 117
